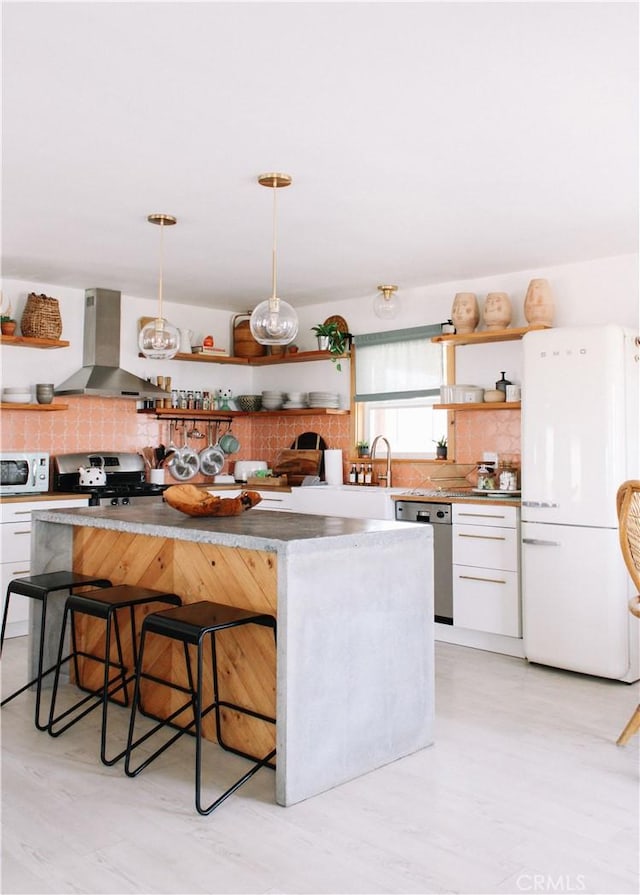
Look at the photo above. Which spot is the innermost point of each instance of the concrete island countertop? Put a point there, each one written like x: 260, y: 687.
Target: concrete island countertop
x: 255, y: 530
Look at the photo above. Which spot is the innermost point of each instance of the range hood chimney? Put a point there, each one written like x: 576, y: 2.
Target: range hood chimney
x: 101, y: 374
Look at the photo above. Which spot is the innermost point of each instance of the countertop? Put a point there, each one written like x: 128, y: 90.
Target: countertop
x: 475, y: 499
x: 45, y: 495
x: 257, y: 530
x: 410, y: 494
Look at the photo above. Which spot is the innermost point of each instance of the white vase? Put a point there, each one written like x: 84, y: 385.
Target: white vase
x: 185, y: 341
x: 465, y: 312
x: 496, y: 312
x: 538, y: 303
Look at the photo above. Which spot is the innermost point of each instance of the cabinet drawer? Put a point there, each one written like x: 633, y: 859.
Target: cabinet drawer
x: 17, y: 622
x: 15, y: 512
x: 486, y: 547
x: 483, y: 515
x: 20, y: 510
x: 486, y: 601
x: 15, y: 538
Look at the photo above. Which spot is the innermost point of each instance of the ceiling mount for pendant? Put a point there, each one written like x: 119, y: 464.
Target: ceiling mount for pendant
x: 385, y: 304
x: 275, y: 180
x: 159, y: 339
x: 274, y: 321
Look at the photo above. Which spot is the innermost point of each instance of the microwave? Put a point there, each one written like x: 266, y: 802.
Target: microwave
x: 23, y: 472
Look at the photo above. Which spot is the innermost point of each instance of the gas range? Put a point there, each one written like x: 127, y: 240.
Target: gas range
x: 125, y: 478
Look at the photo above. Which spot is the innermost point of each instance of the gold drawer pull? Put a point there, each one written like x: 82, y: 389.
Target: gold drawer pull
x: 21, y: 572
x: 22, y: 532
x: 488, y: 580
x: 483, y: 515
x: 23, y: 512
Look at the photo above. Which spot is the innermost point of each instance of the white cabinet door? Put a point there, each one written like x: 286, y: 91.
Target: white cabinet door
x: 484, y: 546
x: 15, y: 542
x: 484, y: 515
x: 486, y: 600
x: 15, y: 538
x: 574, y: 593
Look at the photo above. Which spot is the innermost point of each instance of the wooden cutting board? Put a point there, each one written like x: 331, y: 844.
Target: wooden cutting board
x: 297, y: 464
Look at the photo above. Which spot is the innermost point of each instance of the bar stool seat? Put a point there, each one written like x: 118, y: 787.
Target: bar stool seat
x: 104, y: 604
x: 39, y: 587
x: 192, y: 625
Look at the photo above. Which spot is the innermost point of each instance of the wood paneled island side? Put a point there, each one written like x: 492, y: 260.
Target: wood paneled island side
x: 353, y: 683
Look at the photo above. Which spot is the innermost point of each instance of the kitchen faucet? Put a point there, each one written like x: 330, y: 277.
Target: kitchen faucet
x: 387, y: 475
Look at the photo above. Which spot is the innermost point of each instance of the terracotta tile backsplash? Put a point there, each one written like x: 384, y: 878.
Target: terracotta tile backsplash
x: 93, y: 424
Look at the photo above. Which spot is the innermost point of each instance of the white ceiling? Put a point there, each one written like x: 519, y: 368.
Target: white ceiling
x: 427, y: 142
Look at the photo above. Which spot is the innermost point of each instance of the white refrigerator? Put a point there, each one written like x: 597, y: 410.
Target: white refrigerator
x: 579, y: 443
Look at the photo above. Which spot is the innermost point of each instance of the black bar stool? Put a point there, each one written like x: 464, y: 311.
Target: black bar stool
x: 191, y: 625
x: 38, y: 587
x: 102, y: 604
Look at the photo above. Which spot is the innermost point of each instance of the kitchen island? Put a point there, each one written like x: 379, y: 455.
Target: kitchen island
x: 352, y: 686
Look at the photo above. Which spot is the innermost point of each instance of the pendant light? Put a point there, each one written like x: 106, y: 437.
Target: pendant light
x: 274, y: 322
x: 159, y: 339
x: 385, y: 304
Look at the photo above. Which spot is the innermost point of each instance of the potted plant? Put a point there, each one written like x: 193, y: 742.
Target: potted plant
x: 331, y: 339
x: 362, y: 448
x: 441, y: 448
x: 7, y: 325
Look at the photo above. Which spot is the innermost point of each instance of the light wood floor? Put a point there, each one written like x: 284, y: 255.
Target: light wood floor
x: 524, y: 791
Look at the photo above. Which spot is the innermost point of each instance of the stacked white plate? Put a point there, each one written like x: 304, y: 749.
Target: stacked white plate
x: 295, y: 401
x: 324, y: 399
x: 272, y: 400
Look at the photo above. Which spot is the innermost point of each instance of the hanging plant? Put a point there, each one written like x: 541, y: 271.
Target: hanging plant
x: 331, y: 339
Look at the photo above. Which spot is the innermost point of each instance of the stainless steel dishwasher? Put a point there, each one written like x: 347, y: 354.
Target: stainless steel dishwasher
x: 439, y: 516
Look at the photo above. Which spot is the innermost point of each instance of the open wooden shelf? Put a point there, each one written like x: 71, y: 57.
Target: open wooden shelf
x: 484, y: 336
x: 32, y: 342
x: 496, y: 405
x: 264, y: 361
x: 297, y: 358
x: 7, y: 405
x: 179, y: 414
x: 210, y: 359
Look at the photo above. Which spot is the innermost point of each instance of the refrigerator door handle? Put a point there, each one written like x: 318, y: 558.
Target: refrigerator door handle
x: 539, y: 542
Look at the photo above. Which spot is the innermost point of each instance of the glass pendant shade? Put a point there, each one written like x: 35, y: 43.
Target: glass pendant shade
x: 159, y: 339
x: 385, y: 304
x: 274, y: 322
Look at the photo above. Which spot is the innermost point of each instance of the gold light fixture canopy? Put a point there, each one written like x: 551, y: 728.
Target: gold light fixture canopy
x: 385, y: 304
x: 274, y: 321
x: 159, y: 339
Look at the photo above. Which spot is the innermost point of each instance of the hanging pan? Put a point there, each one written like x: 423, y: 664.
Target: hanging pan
x: 211, y: 458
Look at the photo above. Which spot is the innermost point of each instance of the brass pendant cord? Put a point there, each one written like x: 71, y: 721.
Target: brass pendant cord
x: 160, y: 315
x: 274, y: 254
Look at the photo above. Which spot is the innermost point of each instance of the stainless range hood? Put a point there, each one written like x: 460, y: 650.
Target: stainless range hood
x: 101, y: 374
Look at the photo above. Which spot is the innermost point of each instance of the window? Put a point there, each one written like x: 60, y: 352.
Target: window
x: 398, y: 378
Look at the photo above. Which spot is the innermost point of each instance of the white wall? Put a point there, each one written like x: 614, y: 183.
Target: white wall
x: 594, y: 292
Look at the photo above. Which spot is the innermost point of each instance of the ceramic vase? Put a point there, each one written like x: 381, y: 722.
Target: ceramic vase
x: 465, y: 312
x: 538, y: 303
x: 496, y: 312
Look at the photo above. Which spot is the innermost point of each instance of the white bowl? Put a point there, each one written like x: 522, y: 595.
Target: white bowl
x: 16, y: 395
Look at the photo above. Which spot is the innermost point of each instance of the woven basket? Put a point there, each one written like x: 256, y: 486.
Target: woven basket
x: 41, y: 317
